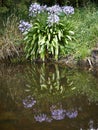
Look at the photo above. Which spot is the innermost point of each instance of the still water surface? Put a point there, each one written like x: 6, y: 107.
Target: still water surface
x: 47, y: 97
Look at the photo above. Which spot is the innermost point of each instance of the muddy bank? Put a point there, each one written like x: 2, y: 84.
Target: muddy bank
x: 90, y: 63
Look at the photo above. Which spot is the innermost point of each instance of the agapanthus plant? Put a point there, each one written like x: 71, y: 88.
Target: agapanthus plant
x: 47, y: 33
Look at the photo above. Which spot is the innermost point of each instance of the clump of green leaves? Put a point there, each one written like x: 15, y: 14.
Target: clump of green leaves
x: 43, y: 41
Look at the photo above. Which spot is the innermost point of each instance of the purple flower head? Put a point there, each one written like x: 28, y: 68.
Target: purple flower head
x: 42, y: 117
x: 28, y: 102
x: 72, y: 113
x: 68, y: 10
x: 34, y: 9
x: 53, y: 19
x: 56, y: 9
x: 24, y: 26
x: 44, y: 8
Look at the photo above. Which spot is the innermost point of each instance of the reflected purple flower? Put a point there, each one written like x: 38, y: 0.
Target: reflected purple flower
x: 72, y: 113
x: 48, y: 119
x: 68, y: 10
x: 91, y: 124
x: 57, y: 114
x: 28, y: 102
x: 42, y: 117
x: 24, y: 26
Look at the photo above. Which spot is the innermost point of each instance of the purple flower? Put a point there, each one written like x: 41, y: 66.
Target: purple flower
x: 53, y: 18
x: 44, y: 8
x: 24, y: 26
x: 42, y: 117
x: 56, y: 9
x: 28, y: 102
x: 68, y: 10
x: 34, y: 9
x: 72, y: 113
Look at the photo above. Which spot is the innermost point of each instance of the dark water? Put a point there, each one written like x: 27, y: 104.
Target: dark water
x: 47, y: 97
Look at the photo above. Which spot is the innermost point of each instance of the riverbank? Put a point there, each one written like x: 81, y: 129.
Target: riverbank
x: 81, y: 51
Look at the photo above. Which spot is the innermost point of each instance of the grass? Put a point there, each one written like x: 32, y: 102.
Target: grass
x: 85, y: 22
x: 10, y: 39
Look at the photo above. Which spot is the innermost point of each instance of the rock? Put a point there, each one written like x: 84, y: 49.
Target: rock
x: 68, y: 61
x: 94, y: 55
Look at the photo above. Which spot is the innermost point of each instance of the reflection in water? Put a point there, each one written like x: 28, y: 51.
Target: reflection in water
x: 28, y: 102
x: 90, y: 126
x: 42, y: 117
x: 72, y: 113
x: 57, y: 113
x: 34, y: 95
x: 51, y: 80
x: 91, y: 123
